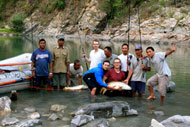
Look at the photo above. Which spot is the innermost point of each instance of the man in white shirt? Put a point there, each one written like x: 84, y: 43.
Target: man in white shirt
x: 76, y: 71
x: 163, y: 75
x: 125, y: 58
x: 96, y: 55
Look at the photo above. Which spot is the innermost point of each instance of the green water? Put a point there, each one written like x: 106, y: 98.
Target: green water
x: 175, y: 103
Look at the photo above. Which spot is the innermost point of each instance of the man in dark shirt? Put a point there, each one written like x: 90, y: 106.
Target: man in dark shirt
x: 41, y: 59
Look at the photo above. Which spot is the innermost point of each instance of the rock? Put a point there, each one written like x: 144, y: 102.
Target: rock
x: 29, y: 110
x: 53, y: 117
x: 65, y: 126
x: 159, y: 113
x: 113, y: 119
x: 9, y: 121
x: 105, y: 109
x: 57, y: 108
x: 170, y: 88
x: 177, y: 121
x: 81, y: 119
x: 34, y: 115
x: 65, y: 119
x: 132, y: 112
x: 29, y: 123
x: 5, y: 103
x: 155, y: 123
x: 93, y: 18
x: 98, y: 123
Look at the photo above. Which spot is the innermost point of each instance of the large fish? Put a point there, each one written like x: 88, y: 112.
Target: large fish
x: 75, y: 88
x: 118, y: 85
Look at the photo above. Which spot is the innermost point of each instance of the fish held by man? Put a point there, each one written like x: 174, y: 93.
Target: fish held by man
x: 118, y: 85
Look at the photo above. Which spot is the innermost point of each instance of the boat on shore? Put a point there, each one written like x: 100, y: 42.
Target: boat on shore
x: 15, y: 73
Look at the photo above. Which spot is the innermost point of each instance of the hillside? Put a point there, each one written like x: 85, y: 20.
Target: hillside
x: 160, y: 20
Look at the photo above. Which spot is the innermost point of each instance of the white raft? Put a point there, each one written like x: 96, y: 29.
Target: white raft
x: 17, y: 73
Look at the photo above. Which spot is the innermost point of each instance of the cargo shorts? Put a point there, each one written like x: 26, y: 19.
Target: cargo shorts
x: 162, y: 83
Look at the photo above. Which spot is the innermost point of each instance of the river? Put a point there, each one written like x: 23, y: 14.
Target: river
x: 175, y: 103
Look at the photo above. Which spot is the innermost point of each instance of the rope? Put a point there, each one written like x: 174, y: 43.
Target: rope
x: 47, y: 89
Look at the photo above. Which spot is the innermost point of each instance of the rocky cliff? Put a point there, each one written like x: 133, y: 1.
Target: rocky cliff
x: 87, y: 18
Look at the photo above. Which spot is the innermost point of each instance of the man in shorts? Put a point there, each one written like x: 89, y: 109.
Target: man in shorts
x: 163, y: 75
x: 139, y: 66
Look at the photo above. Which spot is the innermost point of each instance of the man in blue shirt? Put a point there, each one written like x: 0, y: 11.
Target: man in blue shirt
x: 42, y: 64
x: 93, y: 77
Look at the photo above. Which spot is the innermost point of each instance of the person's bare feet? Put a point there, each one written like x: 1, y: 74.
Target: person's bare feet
x: 93, y: 92
x: 151, y: 97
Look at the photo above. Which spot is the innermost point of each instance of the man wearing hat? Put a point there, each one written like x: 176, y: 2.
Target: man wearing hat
x: 138, y: 67
x: 60, y: 58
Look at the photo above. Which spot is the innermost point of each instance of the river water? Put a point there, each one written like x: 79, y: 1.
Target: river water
x: 175, y: 103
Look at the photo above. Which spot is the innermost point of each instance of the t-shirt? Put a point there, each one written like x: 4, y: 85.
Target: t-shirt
x: 114, y: 76
x: 96, y: 58
x: 123, y: 59
x: 75, y: 73
x: 111, y: 60
x: 159, y: 63
x: 41, y: 60
x: 138, y: 73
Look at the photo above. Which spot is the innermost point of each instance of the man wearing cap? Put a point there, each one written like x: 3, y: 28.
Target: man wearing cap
x: 139, y: 66
x: 163, y: 75
x: 60, y: 58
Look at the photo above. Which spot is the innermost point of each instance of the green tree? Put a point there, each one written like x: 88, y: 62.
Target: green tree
x: 17, y: 22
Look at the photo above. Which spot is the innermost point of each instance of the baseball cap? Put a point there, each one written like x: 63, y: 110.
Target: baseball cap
x: 138, y: 47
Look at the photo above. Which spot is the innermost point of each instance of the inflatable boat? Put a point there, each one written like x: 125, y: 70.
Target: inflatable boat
x: 15, y: 73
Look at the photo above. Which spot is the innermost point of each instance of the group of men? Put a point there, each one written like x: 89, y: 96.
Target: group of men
x: 105, y: 67
x: 131, y: 69
x: 55, y: 66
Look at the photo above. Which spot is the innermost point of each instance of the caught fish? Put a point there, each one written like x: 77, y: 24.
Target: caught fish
x: 75, y: 88
x: 118, y: 85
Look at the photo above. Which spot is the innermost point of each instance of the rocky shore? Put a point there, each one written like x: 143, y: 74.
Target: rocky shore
x: 167, y: 25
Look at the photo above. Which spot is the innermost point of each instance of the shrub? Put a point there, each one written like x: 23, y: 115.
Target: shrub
x: 59, y: 4
x: 17, y: 22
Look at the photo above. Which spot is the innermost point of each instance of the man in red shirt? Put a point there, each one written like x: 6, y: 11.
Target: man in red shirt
x: 115, y: 74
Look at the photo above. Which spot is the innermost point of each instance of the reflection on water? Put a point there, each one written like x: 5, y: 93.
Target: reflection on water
x: 175, y: 103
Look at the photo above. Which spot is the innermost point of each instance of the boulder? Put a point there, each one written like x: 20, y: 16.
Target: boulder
x: 105, y: 109
x: 5, y: 103
x: 29, y: 109
x: 53, y: 117
x: 58, y: 108
x: 34, y: 115
x: 155, y: 123
x: 98, y: 123
x: 170, y: 88
x: 9, y: 121
x: 81, y: 120
x: 29, y: 123
x: 177, y: 121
